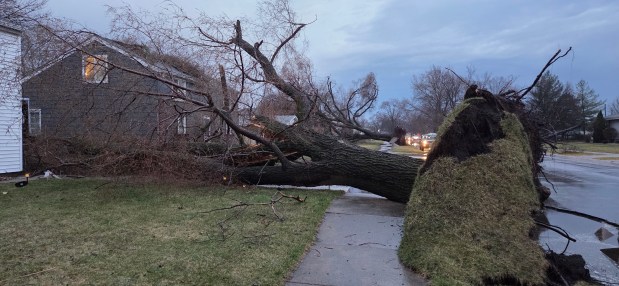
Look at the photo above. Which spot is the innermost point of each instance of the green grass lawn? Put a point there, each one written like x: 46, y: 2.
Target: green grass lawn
x: 370, y: 144
x: 122, y: 233
x: 406, y: 150
x: 589, y: 147
x: 403, y: 150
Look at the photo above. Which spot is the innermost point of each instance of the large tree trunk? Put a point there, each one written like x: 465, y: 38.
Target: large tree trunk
x: 335, y: 162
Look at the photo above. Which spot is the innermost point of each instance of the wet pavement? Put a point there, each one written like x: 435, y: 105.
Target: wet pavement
x: 590, y: 186
x: 357, y: 245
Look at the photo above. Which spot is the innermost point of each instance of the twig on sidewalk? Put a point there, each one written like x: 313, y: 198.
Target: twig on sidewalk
x: 31, y: 274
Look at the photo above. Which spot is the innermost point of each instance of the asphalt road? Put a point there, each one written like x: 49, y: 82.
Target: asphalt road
x: 588, y: 185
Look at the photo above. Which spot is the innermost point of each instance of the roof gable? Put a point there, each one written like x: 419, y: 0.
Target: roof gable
x: 154, y: 67
x: 10, y: 28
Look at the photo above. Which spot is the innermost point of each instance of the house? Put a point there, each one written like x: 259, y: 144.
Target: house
x: 106, y: 89
x: 11, y: 148
x: 613, y: 121
x: 257, y: 128
x: 287, y: 120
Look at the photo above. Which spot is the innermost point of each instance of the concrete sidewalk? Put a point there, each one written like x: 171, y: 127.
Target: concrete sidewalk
x: 357, y: 245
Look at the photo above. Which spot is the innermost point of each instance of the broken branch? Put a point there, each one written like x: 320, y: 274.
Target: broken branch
x: 591, y: 217
x: 552, y: 60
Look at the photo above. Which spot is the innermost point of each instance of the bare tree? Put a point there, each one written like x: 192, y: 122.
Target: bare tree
x: 20, y: 12
x: 256, y: 57
x: 436, y: 93
x: 345, y: 109
x: 392, y: 114
x: 250, y: 70
x: 614, y: 107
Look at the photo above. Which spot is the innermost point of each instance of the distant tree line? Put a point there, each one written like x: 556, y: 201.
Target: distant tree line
x: 561, y: 106
x: 556, y: 105
x: 435, y: 93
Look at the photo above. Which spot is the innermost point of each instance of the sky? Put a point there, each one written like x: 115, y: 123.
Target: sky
x: 398, y: 39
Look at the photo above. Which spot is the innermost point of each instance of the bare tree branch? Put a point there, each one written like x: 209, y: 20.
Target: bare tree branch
x: 552, y: 60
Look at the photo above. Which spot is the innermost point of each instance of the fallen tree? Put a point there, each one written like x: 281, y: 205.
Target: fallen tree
x: 316, y: 149
x: 473, y: 228
x: 332, y: 161
x: 474, y: 194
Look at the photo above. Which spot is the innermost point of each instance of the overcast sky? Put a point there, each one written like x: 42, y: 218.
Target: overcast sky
x: 397, y: 39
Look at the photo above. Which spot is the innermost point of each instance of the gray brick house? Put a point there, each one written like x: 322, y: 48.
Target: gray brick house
x: 89, y: 92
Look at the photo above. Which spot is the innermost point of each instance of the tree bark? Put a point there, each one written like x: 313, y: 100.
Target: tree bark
x: 335, y: 162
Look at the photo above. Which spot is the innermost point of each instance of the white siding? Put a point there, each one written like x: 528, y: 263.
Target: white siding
x: 11, y: 151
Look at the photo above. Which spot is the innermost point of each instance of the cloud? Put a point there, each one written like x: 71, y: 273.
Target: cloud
x: 352, y: 37
x: 429, y: 31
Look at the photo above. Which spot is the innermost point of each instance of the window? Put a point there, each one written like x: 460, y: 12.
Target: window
x: 182, y: 124
x: 207, y: 125
x: 34, y: 121
x: 182, y: 91
x: 95, y: 68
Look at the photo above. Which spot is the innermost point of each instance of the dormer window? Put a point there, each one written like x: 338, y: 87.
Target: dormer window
x: 95, y: 68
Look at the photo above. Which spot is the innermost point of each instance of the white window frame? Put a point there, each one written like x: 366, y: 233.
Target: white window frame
x: 182, y: 83
x: 207, y: 121
x: 37, y: 122
x: 181, y: 127
x: 178, y: 93
x: 100, y: 68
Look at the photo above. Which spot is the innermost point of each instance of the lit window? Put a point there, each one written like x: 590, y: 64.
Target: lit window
x: 95, y: 68
x: 34, y: 121
x: 181, y: 124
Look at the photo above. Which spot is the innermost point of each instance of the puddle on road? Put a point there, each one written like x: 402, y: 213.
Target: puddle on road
x: 591, y: 189
x: 601, y: 266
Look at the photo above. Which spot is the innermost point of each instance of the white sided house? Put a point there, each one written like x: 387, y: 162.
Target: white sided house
x: 11, y: 148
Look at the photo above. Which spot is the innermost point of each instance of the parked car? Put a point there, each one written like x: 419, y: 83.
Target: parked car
x: 427, y: 140
x: 413, y: 139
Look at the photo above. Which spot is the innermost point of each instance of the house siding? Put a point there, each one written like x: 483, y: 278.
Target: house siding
x: 126, y: 104
x: 11, y: 148
x: 70, y: 106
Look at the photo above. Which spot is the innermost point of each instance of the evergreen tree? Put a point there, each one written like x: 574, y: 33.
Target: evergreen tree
x: 544, y: 100
x: 599, y: 124
x: 567, y: 109
x: 588, y: 102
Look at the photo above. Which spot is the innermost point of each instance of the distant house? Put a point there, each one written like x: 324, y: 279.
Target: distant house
x: 11, y: 150
x: 613, y: 121
x: 106, y: 89
x: 288, y: 120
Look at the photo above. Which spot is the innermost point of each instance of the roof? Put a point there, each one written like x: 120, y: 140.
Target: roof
x: 9, y: 28
x: 286, y: 119
x: 612, y: 117
x: 122, y: 48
